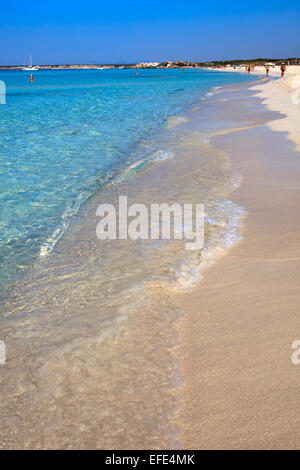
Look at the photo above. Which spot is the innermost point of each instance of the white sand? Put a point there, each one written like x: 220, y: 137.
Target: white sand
x: 282, y: 95
x: 241, y: 389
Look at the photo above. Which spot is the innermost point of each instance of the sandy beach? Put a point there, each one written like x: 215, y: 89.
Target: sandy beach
x: 284, y: 96
x: 150, y: 228
x: 281, y: 95
x: 241, y: 388
x: 114, y: 344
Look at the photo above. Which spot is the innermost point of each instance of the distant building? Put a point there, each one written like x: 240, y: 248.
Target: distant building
x: 146, y: 65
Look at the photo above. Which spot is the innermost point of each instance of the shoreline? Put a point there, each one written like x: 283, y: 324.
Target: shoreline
x: 99, y: 354
x: 240, y: 386
x: 282, y: 95
x: 143, y: 397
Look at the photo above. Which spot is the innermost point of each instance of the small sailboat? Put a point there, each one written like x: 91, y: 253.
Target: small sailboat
x: 30, y: 67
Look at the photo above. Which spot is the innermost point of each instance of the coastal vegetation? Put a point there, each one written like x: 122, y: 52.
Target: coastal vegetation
x: 164, y: 64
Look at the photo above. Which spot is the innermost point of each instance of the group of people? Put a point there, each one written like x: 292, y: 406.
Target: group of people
x: 267, y: 67
x: 249, y: 68
x: 282, y: 69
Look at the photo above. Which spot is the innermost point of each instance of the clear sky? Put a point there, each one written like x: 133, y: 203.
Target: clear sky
x: 113, y: 31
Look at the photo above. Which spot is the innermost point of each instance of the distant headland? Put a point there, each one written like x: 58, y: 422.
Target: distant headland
x: 157, y: 65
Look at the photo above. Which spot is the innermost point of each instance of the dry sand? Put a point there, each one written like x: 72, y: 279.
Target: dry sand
x: 241, y: 389
x: 281, y: 95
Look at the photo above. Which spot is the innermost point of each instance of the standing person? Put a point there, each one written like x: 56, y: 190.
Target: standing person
x: 267, y: 69
x: 249, y: 69
x: 283, y: 69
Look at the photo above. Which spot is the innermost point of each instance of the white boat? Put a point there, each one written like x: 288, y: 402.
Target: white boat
x: 30, y: 67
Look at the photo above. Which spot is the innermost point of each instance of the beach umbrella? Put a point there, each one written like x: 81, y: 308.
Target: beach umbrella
x: 269, y: 63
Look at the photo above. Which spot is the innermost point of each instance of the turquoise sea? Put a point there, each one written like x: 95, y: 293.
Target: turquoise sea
x: 90, y: 325
x: 67, y: 134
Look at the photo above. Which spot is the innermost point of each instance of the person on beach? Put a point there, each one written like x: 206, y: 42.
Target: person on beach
x: 283, y: 69
x: 249, y: 69
x: 267, y: 69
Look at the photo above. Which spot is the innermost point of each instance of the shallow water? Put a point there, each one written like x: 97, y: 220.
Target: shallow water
x: 63, y: 137
x: 89, y: 353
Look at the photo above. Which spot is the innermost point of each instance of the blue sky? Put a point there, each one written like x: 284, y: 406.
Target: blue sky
x: 127, y: 31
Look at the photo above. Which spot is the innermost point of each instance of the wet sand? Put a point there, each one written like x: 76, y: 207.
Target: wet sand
x: 241, y: 389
